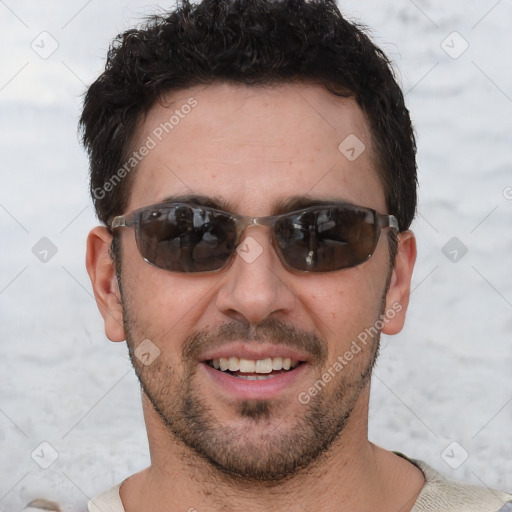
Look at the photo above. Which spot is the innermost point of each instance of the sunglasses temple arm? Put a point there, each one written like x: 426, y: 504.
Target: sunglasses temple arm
x: 118, y: 222
x: 390, y: 221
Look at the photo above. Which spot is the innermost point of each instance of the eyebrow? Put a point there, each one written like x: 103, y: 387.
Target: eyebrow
x: 289, y: 204
x: 293, y: 203
x: 201, y: 200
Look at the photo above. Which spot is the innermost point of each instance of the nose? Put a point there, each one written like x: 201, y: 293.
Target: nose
x: 256, y: 285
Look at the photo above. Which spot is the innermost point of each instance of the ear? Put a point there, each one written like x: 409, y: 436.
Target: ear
x: 397, y: 297
x: 102, y: 273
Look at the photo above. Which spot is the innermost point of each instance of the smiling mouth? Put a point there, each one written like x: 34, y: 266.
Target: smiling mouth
x: 251, y: 369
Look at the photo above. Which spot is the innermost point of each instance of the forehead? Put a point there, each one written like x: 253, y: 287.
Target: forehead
x: 255, y: 146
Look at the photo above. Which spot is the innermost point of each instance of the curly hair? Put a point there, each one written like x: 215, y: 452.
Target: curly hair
x: 249, y: 42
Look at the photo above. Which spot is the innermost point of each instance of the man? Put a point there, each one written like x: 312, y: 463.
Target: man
x: 253, y: 164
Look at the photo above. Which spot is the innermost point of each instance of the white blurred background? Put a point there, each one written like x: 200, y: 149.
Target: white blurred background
x: 445, y: 379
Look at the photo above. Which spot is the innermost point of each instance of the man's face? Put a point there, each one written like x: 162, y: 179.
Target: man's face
x: 253, y: 149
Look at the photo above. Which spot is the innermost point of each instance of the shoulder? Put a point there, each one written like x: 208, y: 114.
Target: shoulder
x: 439, y: 494
x: 44, y: 505
x: 108, y: 501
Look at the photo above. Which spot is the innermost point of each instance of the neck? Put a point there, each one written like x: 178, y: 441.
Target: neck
x: 353, y: 475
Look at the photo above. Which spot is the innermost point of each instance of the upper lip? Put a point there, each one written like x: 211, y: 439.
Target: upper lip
x: 246, y: 350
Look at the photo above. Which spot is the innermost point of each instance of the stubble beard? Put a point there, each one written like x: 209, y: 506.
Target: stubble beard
x: 268, y: 447
x: 262, y: 450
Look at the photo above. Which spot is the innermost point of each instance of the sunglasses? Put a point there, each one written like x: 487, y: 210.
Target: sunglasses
x: 182, y: 237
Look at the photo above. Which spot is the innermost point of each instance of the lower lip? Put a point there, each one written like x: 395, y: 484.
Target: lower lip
x: 244, y: 389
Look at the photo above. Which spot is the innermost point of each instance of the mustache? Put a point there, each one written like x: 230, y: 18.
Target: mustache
x: 270, y: 331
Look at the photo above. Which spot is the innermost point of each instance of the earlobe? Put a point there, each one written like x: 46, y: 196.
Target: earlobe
x: 397, y: 298
x: 102, y: 273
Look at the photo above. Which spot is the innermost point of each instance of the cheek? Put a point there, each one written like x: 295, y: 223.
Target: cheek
x: 345, y: 305
x: 162, y: 306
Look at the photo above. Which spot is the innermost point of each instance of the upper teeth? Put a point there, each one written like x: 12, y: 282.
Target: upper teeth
x: 234, y: 364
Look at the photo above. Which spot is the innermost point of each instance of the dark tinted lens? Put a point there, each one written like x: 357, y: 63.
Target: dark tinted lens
x: 186, y: 239
x: 327, y: 239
